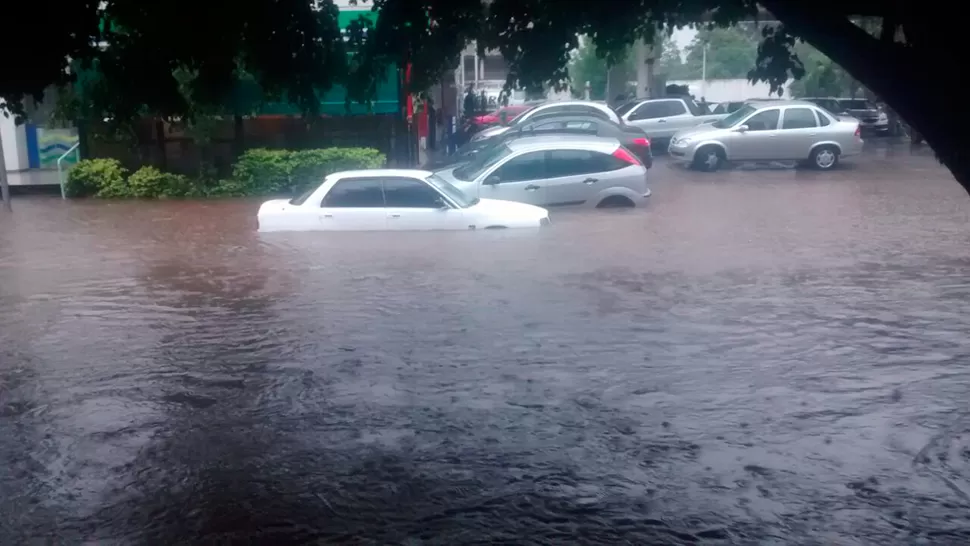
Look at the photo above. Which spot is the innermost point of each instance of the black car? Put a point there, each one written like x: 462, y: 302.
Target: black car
x: 632, y: 138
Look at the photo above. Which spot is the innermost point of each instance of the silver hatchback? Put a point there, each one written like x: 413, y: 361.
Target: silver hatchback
x: 555, y: 170
x: 769, y: 131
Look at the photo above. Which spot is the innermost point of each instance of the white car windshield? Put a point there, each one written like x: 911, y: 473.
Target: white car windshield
x: 461, y: 198
x: 734, y: 117
x: 474, y: 168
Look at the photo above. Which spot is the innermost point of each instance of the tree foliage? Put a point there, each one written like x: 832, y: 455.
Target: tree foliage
x: 293, y: 48
x: 589, y: 66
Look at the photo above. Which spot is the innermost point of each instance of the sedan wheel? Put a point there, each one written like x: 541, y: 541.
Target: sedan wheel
x: 825, y: 158
x: 708, y: 159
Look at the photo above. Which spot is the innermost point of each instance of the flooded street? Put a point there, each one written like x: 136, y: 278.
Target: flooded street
x: 761, y: 356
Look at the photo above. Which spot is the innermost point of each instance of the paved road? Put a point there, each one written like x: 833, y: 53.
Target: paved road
x: 762, y: 356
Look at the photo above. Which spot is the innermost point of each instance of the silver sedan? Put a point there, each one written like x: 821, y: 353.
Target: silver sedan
x: 769, y: 131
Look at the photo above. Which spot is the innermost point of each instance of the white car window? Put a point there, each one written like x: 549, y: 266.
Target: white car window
x: 355, y: 193
x: 410, y: 193
x: 799, y: 118
x: 530, y: 166
x: 766, y: 120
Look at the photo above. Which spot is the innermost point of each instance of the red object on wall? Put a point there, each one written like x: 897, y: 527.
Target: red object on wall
x: 407, y: 86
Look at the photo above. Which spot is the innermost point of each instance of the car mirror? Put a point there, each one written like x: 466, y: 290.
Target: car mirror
x: 492, y: 180
x: 441, y: 204
x: 742, y: 129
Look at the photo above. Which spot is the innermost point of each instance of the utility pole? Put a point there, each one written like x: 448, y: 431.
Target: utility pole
x: 704, y: 72
x: 4, y: 182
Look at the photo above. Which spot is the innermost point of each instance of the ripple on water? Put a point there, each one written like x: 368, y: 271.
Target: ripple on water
x: 770, y: 357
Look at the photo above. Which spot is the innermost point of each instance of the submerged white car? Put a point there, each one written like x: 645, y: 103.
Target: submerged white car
x: 393, y: 199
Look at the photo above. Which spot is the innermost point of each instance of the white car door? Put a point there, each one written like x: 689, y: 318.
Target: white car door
x: 660, y: 119
x: 414, y: 205
x: 519, y: 178
x: 353, y: 204
x: 799, y: 131
x: 759, y: 142
x: 573, y: 176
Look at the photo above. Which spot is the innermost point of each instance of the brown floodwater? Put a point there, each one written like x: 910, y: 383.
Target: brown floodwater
x: 761, y: 356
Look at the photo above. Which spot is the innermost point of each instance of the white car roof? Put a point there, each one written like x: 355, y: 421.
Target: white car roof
x: 563, y: 141
x: 410, y: 173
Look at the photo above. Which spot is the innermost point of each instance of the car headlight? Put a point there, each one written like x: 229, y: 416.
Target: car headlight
x: 883, y: 116
x: 544, y: 221
x: 683, y: 141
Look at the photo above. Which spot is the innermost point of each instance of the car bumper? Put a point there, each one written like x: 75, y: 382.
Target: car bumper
x: 681, y: 152
x: 878, y: 125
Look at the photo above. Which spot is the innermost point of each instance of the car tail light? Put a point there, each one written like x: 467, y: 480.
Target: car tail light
x: 641, y: 142
x: 626, y: 156
x: 858, y: 130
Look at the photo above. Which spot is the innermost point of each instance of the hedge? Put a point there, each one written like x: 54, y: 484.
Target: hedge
x: 257, y: 172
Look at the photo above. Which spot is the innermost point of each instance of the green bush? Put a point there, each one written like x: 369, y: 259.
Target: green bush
x: 263, y: 172
x: 257, y: 172
x: 89, y: 176
x: 149, y: 182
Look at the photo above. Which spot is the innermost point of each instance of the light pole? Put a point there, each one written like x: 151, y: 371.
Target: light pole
x: 704, y: 71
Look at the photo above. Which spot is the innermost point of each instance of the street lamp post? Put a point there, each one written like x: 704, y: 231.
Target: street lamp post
x: 4, y: 182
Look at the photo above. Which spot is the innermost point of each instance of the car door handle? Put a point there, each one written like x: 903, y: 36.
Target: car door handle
x: 327, y: 216
x: 661, y: 121
x: 590, y: 181
x: 531, y: 187
x: 395, y: 216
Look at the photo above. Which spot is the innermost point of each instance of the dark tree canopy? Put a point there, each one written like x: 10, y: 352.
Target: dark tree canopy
x: 294, y: 47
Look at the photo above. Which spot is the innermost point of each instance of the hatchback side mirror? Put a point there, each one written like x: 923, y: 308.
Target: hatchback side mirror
x: 492, y: 180
x: 742, y: 129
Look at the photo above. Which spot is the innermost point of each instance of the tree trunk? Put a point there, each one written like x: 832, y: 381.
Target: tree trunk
x: 910, y: 77
x: 4, y: 182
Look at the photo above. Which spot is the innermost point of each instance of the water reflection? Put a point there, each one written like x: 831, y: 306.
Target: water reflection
x: 764, y: 356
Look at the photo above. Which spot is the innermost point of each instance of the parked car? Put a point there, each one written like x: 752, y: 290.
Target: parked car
x: 765, y: 131
x: 501, y: 116
x: 546, y: 108
x: 566, y: 170
x: 393, y: 199
x: 871, y: 117
x: 632, y: 138
x: 661, y: 118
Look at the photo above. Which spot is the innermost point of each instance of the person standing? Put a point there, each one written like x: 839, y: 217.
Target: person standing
x: 432, y: 124
x: 469, y: 104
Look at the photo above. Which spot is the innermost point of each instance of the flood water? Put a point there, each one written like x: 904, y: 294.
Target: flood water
x: 762, y: 356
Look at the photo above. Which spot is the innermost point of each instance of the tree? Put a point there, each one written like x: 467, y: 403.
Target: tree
x: 671, y: 61
x: 294, y: 48
x: 731, y: 52
x: 589, y: 66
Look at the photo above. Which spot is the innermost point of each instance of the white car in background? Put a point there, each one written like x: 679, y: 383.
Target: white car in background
x: 393, y: 199
x: 547, y: 109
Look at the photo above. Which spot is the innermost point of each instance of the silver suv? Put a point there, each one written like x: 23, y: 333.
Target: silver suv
x: 555, y: 170
x: 768, y: 131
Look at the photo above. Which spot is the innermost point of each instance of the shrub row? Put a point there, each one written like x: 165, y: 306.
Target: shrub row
x: 257, y: 172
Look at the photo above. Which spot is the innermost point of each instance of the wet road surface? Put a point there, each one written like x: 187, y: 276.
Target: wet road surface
x: 763, y: 356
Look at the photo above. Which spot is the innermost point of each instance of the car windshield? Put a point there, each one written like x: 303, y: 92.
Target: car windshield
x: 855, y: 104
x: 626, y: 107
x: 734, y: 117
x: 303, y: 196
x: 521, y: 116
x: 451, y: 192
x: 474, y: 168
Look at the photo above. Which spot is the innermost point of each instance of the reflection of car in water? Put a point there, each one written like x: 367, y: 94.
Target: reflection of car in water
x: 393, y: 199
x: 769, y: 131
x: 565, y: 170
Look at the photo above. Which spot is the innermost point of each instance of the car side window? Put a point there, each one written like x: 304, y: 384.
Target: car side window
x: 570, y: 163
x: 546, y: 126
x: 410, y: 193
x: 799, y: 118
x: 584, y: 126
x: 355, y: 193
x: 530, y: 166
x: 649, y: 110
x: 823, y: 120
x: 766, y: 120
x: 674, y: 107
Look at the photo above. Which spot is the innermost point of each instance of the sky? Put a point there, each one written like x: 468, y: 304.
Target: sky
x: 683, y: 37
